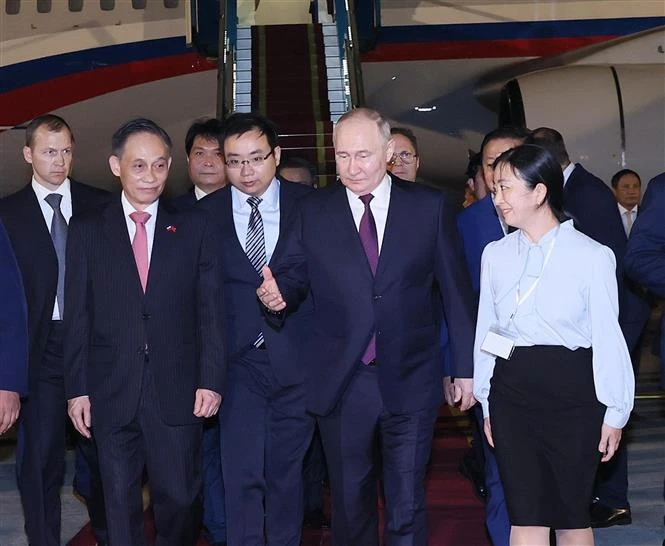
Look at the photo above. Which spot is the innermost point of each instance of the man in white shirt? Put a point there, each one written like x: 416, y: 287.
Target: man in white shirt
x: 627, y: 188
x: 36, y: 218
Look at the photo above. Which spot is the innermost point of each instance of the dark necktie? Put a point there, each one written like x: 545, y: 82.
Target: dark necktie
x: 59, y: 237
x: 370, y: 242
x: 255, y: 245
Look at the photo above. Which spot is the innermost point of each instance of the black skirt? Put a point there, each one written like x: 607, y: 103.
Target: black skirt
x: 546, y: 423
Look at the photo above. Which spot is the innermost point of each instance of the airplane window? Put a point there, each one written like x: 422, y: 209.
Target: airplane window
x: 43, y: 6
x: 12, y: 7
x: 75, y: 5
x: 107, y: 5
x: 171, y: 3
x: 138, y: 4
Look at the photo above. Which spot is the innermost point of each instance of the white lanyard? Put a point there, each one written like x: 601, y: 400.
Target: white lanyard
x: 520, y: 300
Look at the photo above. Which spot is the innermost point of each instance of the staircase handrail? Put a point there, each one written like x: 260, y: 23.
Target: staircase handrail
x: 349, y: 52
x: 228, y: 37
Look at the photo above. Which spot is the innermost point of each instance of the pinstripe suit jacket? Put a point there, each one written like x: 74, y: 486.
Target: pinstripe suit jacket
x: 114, y: 330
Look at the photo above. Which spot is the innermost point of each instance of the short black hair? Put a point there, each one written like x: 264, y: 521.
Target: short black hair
x: 549, y: 138
x: 623, y: 172
x: 408, y: 133
x: 474, y: 165
x: 298, y: 163
x: 53, y: 124
x: 206, y: 128
x: 537, y: 165
x: 133, y: 127
x: 239, y: 123
x: 507, y: 132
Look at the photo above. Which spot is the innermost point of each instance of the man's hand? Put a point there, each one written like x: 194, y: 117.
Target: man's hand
x: 10, y: 406
x: 488, y: 431
x: 449, y: 390
x: 206, y: 403
x: 462, y: 392
x: 79, y: 412
x: 269, y: 293
x: 609, y: 441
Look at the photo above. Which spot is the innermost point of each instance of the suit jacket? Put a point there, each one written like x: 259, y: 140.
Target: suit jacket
x: 244, y: 315
x: 478, y: 225
x: 113, y: 330
x: 592, y: 205
x: 36, y: 256
x: 185, y: 201
x: 13, y: 322
x: 419, y: 275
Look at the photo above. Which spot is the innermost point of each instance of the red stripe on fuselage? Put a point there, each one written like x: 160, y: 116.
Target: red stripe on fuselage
x: 478, y: 49
x: 25, y: 103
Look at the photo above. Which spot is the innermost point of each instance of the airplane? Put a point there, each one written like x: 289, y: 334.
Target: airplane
x: 449, y: 70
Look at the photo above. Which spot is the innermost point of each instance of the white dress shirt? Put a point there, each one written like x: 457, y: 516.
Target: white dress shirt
x: 625, y: 213
x: 269, y: 209
x: 575, y: 304
x: 199, y: 193
x: 378, y: 205
x: 152, y: 209
x: 65, y: 189
x: 567, y: 172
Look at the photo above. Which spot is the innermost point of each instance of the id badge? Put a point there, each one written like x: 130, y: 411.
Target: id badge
x: 499, y: 342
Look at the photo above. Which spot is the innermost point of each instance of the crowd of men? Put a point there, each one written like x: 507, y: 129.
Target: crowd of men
x: 217, y: 346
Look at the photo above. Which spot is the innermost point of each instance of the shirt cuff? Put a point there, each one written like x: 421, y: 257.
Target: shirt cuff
x: 616, y: 418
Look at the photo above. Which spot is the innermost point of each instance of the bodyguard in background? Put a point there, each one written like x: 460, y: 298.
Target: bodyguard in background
x: 36, y: 218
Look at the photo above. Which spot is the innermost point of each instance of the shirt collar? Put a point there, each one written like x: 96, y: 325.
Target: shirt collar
x: 525, y: 243
x: 567, y: 172
x: 623, y: 210
x: 269, y: 198
x: 381, y: 193
x: 41, y: 192
x: 199, y: 193
x: 128, y: 208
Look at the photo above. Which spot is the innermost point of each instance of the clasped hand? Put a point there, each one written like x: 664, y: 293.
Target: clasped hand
x: 269, y: 293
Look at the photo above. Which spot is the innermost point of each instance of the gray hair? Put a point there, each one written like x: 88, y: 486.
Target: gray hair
x: 368, y: 114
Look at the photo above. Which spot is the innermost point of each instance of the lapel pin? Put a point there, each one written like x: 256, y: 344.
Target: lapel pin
x: 171, y: 229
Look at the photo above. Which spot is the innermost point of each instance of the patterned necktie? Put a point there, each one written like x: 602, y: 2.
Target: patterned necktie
x: 255, y: 245
x: 59, y: 238
x: 140, y: 245
x: 629, y: 221
x: 370, y: 242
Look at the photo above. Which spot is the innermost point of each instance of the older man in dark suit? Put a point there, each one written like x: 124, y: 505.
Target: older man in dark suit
x: 381, y: 259
x: 13, y: 336
x: 36, y: 219
x: 144, y: 351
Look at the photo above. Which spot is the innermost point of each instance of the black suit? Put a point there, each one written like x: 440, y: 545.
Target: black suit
x: 141, y: 357
x: 265, y: 430
x: 185, y: 201
x: 41, y: 449
x: 420, y: 272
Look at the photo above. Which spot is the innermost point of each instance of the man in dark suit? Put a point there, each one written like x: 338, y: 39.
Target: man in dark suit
x: 144, y: 351
x: 478, y: 225
x: 205, y: 161
x: 592, y: 206
x: 205, y: 166
x: 13, y: 336
x: 264, y: 427
x: 36, y: 220
x: 380, y: 277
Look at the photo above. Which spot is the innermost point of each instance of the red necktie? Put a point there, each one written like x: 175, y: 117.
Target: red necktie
x: 140, y: 245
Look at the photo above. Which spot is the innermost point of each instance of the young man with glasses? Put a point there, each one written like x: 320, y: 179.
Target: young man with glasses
x: 405, y: 160
x: 264, y: 427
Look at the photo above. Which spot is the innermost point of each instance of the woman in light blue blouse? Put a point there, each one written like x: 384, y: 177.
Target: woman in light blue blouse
x: 552, y: 370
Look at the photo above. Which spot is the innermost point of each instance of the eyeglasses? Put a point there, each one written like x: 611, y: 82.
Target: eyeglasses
x: 406, y: 157
x: 255, y: 161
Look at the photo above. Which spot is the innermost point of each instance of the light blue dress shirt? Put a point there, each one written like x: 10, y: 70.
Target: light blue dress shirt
x: 575, y: 304
x: 269, y: 209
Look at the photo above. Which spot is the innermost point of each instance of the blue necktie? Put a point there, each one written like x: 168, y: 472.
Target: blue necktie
x: 59, y: 237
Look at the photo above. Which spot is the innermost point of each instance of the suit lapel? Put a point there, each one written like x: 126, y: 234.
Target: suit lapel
x: 162, y: 246
x: 119, y: 245
x: 398, y: 216
x: 36, y: 225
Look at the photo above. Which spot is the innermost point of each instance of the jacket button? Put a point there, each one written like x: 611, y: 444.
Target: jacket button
x: 377, y: 296
x: 145, y: 316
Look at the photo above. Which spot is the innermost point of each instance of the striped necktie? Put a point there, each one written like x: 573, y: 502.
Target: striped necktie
x: 255, y: 245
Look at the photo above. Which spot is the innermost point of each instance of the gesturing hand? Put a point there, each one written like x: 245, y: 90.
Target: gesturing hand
x: 269, y: 293
x: 206, y: 403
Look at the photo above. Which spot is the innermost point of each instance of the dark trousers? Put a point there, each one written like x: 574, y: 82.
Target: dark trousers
x: 40, y: 454
x: 314, y: 473
x: 351, y: 437
x: 172, y: 457
x: 214, y: 515
x: 265, y: 432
